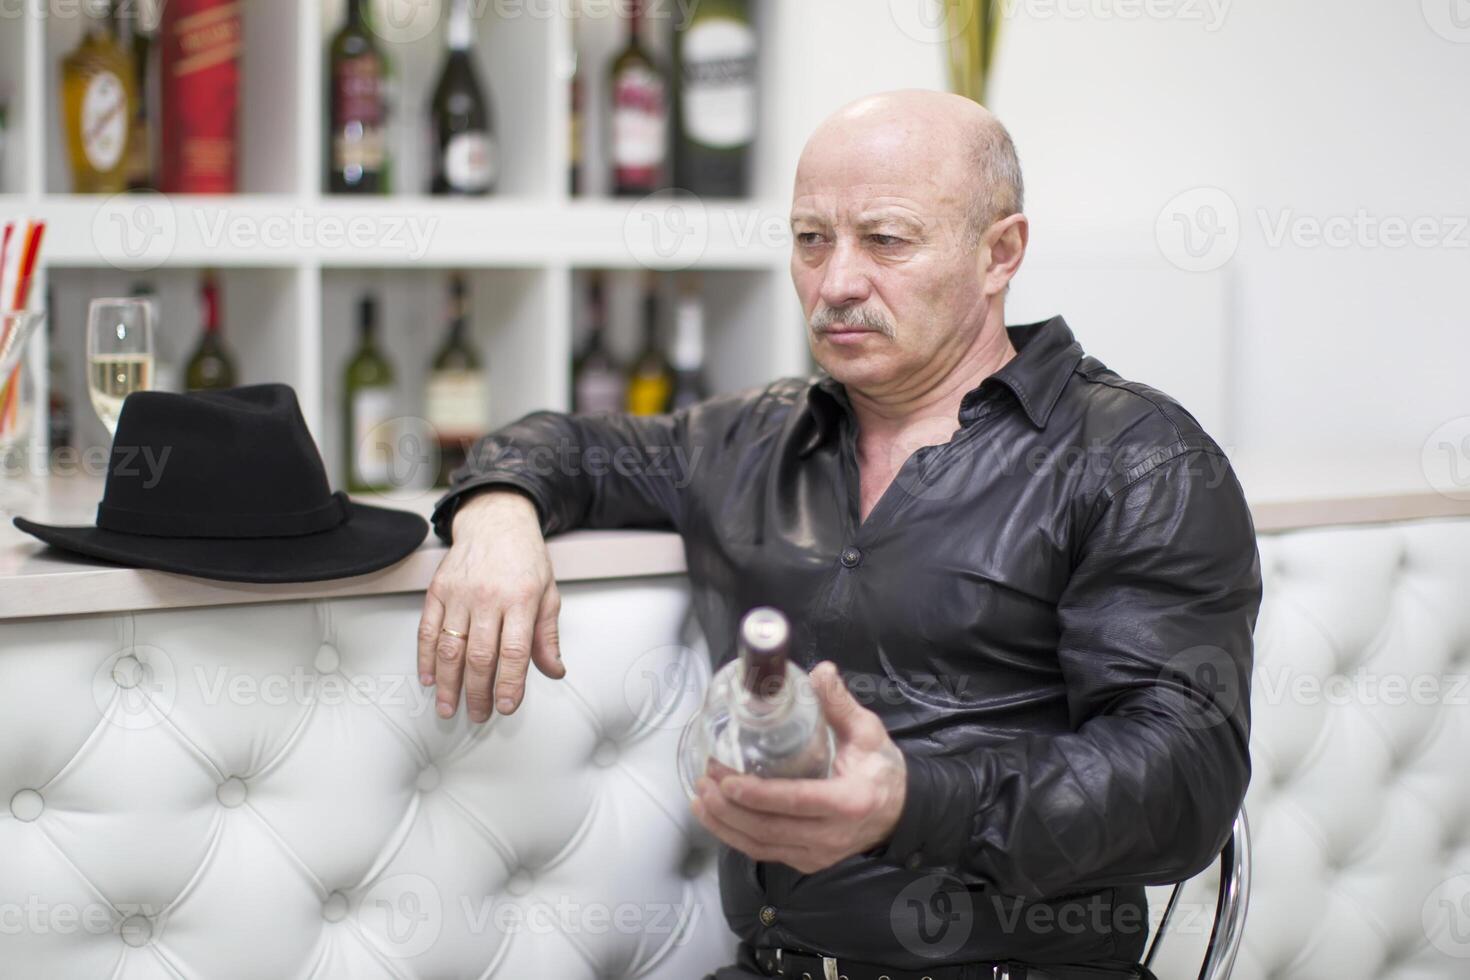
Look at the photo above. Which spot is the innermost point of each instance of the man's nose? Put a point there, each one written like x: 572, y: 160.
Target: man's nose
x: 845, y: 278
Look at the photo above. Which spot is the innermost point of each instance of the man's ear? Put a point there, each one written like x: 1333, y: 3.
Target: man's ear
x: 1003, y: 249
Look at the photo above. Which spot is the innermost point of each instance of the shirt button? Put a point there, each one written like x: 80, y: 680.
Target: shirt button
x: 851, y: 557
x: 768, y: 915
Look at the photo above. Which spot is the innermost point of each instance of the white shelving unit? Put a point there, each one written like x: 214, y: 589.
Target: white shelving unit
x: 292, y: 260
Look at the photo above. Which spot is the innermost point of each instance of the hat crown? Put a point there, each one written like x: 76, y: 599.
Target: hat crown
x: 238, y: 462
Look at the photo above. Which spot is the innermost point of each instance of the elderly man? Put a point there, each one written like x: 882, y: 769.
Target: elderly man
x: 1033, y: 584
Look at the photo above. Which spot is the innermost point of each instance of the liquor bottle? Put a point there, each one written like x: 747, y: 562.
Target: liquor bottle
x: 368, y: 395
x: 99, y: 98
x: 760, y: 715
x: 357, y: 161
x: 165, y: 365
x: 651, y: 379
x: 199, y: 69
x: 640, y: 115
x: 598, y: 384
x: 211, y: 365
x: 715, y: 120
x: 576, y: 125
x: 133, y: 34
x: 688, y: 351
x: 465, y: 155
x: 457, y: 402
x: 60, y: 420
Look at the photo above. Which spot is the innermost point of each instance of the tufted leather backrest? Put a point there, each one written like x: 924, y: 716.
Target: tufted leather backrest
x: 264, y: 791
x: 1359, y: 801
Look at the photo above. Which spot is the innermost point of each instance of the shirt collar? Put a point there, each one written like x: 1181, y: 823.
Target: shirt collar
x: 1046, y: 355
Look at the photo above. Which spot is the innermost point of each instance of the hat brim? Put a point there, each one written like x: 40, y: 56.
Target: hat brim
x: 372, y: 538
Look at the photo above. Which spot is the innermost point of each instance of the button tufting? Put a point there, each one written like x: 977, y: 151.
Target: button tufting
x: 606, y: 752
x: 231, y: 792
x: 26, y: 805
x: 428, y: 780
x: 136, y: 930
x: 327, y: 659
x: 127, y: 672
x: 519, y: 883
x: 334, y: 909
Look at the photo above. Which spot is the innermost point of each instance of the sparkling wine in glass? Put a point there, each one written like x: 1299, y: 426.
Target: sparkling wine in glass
x: 119, y: 354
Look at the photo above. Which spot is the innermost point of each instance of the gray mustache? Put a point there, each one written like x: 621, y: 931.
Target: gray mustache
x: 857, y: 317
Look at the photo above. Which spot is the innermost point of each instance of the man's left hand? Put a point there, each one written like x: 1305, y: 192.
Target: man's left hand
x: 812, y: 824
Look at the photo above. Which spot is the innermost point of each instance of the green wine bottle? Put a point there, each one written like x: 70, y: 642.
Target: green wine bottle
x: 464, y: 150
x: 357, y: 158
x: 651, y: 379
x: 211, y: 365
x: 456, y: 400
x: 368, y: 396
x: 715, y: 94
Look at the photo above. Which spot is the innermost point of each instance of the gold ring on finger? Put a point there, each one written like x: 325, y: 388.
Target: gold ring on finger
x: 454, y: 633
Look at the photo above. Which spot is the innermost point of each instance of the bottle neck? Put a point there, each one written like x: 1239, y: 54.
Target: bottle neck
x: 357, y: 14
x: 209, y: 302
x: 461, y: 31
x: 635, y: 23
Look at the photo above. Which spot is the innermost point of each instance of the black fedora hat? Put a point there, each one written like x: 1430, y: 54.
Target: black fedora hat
x: 229, y: 485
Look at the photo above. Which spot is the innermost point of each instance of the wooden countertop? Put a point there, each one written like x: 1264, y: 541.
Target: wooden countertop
x: 35, y: 580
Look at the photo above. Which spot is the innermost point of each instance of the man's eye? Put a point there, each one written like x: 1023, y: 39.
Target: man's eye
x: 885, y: 241
x: 809, y: 238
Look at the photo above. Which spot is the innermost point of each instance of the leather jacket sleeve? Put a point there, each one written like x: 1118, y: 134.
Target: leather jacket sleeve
x: 594, y: 471
x: 1156, y: 654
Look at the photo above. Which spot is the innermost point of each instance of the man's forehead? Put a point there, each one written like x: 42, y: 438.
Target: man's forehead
x: 873, y: 202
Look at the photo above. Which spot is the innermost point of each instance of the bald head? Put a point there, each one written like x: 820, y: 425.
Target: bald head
x: 947, y: 141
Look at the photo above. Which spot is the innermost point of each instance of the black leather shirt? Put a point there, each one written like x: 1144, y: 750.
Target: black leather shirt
x: 1052, y: 614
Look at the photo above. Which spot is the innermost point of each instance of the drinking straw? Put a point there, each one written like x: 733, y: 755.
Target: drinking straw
x: 29, y: 248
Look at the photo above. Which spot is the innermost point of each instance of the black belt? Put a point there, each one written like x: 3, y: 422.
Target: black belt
x: 796, y: 965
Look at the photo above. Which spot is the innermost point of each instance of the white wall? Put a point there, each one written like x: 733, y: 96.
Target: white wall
x: 1292, y: 108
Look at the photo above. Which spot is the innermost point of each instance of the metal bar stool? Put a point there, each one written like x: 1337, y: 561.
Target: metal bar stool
x: 1230, y: 906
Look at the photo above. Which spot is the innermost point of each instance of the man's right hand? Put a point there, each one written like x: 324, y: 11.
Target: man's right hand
x: 496, y: 587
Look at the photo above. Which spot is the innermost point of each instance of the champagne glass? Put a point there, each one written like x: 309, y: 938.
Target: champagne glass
x: 119, y: 354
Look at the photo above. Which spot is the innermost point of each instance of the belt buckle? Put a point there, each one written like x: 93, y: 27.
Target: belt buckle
x: 829, y: 968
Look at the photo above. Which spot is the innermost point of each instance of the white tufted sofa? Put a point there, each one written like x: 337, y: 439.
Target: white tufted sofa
x: 201, y: 793
x: 264, y: 791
